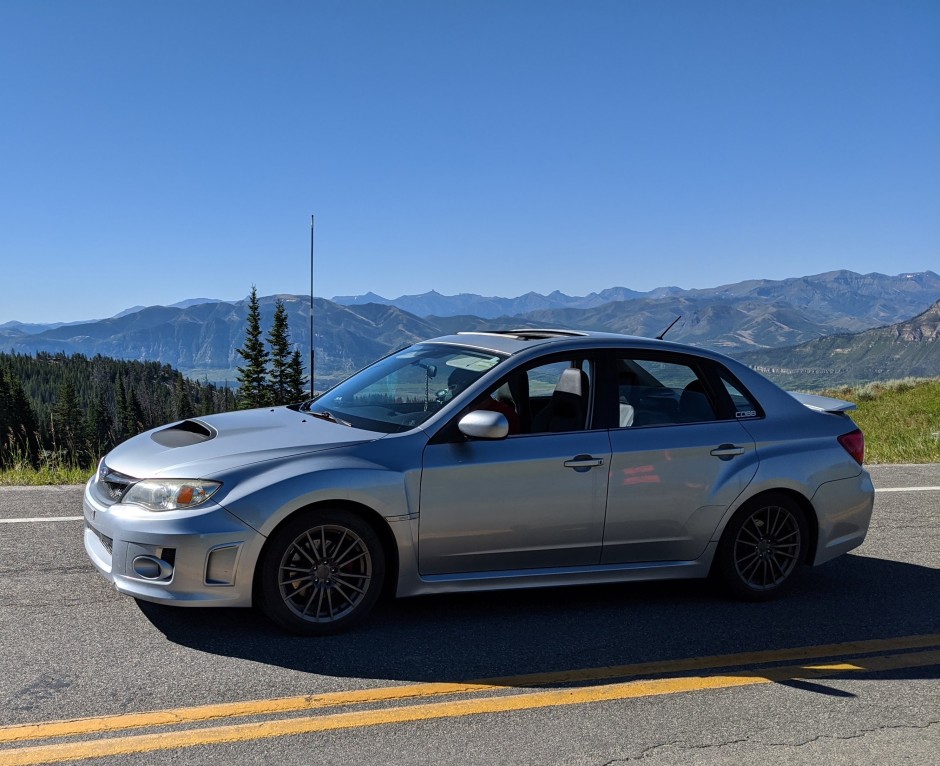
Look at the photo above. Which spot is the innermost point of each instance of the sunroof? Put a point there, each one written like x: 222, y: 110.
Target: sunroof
x: 531, y: 333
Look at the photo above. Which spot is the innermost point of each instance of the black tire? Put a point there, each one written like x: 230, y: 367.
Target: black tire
x: 762, y: 548
x: 321, y: 572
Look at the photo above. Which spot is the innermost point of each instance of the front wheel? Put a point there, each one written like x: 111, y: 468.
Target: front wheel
x: 321, y: 572
x: 762, y: 548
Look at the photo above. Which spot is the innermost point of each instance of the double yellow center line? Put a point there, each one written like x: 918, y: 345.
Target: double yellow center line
x: 35, y: 743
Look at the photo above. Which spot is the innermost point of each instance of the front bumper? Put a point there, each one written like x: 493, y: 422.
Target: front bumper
x: 203, y: 557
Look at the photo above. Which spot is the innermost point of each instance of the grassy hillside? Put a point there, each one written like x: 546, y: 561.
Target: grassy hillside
x: 900, y: 419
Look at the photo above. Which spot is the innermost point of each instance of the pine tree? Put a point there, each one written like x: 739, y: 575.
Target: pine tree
x: 279, y: 343
x: 134, y: 414
x: 121, y: 414
x: 6, y: 400
x: 228, y: 402
x: 253, y: 391
x: 182, y: 403
x: 7, y: 425
x: 69, y: 423
x: 207, y: 400
x: 24, y: 417
x: 19, y: 429
x: 99, y: 425
x: 296, y: 380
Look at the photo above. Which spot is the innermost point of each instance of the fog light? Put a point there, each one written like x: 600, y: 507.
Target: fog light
x: 152, y: 568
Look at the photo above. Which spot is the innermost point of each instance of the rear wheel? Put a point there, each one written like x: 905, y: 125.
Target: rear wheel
x: 321, y: 572
x: 762, y: 548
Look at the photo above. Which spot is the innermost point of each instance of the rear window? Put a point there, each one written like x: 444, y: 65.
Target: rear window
x: 659, y: 392
x: 744, y: 405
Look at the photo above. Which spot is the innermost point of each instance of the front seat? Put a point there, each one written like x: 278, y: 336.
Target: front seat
x: 567, y: 409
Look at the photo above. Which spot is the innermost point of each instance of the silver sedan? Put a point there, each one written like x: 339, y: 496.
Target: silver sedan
x: 480, y: 461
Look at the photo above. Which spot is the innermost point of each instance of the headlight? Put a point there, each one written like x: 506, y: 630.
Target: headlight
x: 171, y: 494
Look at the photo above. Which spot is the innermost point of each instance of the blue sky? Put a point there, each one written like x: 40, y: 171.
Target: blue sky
x: 153, y: 152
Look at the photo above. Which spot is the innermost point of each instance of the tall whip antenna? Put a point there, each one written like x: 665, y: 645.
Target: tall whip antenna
x: 311, y: 308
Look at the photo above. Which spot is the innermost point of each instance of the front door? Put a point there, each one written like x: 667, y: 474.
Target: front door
x: 534, y: 500
x: 526, y: 502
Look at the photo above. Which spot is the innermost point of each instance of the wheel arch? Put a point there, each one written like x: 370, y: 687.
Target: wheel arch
x: 800, y: 500
x: 370, y: 515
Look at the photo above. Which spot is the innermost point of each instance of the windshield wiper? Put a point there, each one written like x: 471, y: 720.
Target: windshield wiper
x: 327, y: 415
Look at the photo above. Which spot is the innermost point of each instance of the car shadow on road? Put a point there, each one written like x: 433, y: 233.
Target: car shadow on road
x: 460, y: 637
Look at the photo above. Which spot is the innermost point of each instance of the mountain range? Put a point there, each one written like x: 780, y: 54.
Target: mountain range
x: 752, y: 320
x: 859, y: 301
x: 904, y: 349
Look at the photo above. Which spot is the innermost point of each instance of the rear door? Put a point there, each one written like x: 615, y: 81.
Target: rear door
x: 679, y: 459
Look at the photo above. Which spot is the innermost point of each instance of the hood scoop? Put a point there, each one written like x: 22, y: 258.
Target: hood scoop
x: 183, y: 434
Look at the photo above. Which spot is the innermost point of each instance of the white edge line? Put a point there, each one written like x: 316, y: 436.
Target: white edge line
x: 907, y: 489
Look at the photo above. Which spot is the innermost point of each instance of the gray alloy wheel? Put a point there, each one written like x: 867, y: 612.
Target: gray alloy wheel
x: 321, y: 572
x: 763, y: 547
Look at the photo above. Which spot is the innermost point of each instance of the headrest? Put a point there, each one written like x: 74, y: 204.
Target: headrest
x: 572, y: 381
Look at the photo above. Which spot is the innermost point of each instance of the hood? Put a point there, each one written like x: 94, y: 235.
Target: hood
x: 200, y: 447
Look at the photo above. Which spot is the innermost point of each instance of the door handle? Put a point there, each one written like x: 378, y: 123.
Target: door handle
x: 727, y: 451
x: 583, y: 462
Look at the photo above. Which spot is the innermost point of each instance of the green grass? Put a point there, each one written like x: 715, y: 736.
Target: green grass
x: 55, y: 467
x: 900, y: 419
x: 26, y: 476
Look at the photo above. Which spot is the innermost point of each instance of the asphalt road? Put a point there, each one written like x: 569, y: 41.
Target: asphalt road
x: 843, y: 670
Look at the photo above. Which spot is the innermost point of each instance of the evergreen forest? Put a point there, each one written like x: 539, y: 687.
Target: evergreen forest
x: 68, y: 410
x: 71, y: 410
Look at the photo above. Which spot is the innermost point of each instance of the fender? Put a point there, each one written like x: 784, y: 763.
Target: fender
x: 269, y: 492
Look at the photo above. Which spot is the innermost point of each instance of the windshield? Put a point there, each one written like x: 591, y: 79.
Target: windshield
x: 404, y: 389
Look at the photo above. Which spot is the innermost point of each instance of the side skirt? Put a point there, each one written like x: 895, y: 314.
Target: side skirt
x: 411, y: 583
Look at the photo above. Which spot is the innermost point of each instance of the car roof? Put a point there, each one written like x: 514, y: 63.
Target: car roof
x: 512, y: 342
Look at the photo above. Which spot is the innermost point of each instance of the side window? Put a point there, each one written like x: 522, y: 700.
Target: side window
x: 559, y: 397
x: 744, y: 406
x: 653, y: 392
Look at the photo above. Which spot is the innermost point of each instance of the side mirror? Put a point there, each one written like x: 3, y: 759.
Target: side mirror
x: 484, y: 424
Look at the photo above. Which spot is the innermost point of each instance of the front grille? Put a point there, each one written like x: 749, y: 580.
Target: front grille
x: 115, y: 489
x: 111, y: 485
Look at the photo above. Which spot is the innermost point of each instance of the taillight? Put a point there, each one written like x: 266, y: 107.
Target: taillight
x: 854, y: 443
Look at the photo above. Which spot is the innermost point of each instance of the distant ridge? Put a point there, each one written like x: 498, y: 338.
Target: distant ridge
x: 871, y: 298
x: 33, y: 328
x: 189, y: 302
x: 490, y: 307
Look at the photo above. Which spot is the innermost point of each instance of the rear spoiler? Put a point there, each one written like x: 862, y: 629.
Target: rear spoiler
x: 823, y: 403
